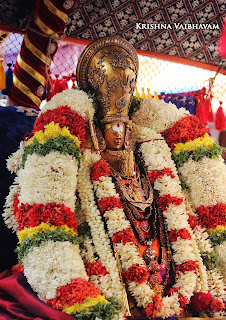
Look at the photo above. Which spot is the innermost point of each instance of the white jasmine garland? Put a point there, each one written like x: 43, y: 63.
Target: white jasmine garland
x: 8, y: 214
x: 183, y: 251
x: 93, y: 218
x: 171, y: 306
x: 52, y: 265
x: 176, y: 217
x: 129, y: 255
x: 102, y: 283
x: 104, y: 188
x: 221, y: 250
x: 216, y: 285
x: 208, y: 175
x: 118, y: 223
x: 142, y: 293
x: 88, y: 250
x: 13, y: 163
x: 202, y: 240
x: 157, y: 114
x: 183, y: 248
x: 77, y: 100
x: 187, y: 282
x: 52, y: 178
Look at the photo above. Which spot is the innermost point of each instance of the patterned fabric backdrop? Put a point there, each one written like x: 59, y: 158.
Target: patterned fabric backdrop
x: 92, y: 19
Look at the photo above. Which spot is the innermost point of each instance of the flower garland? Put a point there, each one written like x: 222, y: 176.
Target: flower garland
x: 200, y: 167
x: 43, y: 211
x: 97, y: 229
x: 134, y: 269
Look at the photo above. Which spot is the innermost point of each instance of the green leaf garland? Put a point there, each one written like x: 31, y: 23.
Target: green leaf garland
x: 40, y: 238
x: 104, y: 311
x: 62, y: 144
x: 183, y: 156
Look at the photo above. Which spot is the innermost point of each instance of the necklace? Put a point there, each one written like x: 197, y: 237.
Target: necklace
x: 117, y: 153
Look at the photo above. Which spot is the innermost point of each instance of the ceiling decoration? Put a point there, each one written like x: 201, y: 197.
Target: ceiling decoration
x: 93, y: 19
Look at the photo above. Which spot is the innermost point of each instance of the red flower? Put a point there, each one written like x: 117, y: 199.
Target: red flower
x: 95, y: 268
x: 217, y: 305
x: 167, y: 199
x: 190, y: 265
x: 75, y: 292
x: 124, y: 236
x: 183, y: 300
x: 17, y: 267
x: 158, y: 174
x: 186, y: 129
x: 172, y: 290
x: 66, y: 118
x: 182, y: 233
x: 212, y: 216
x: 108, y: 203
x: 201, y: 301
x: 194, y: 221
x: 153, y: 307
x: 136, y: 273
x: 57, y: 214
x: 99, y: 169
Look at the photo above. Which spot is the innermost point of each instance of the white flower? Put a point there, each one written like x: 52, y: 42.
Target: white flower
x: 142, y: 293
x: 183, y: 251
x: 8, y: 214
x: 207, y: 176
x: 105, y: 188
x: 221, y: 250
x: 13, y: 163
x: 170, y: 308
x: 76, y: 99
x: 157, y: 114
x: 52, y: 178
x: 52, y: 265
x: 129, y: 255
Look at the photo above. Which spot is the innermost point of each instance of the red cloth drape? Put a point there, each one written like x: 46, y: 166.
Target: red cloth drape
x: 18, y: 300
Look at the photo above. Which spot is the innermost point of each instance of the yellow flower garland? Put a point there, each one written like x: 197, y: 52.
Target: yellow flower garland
x: 30, y: 232
x: 52, y: 130
x: 86, y: 305
x: 206, y: 141
x: 218, y: 228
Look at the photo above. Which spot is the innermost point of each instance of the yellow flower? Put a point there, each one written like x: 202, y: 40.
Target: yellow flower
x: 44, y: 227
x: 86, y: 305
x: 218, y: 228
x: 206, y: 141
x: 52, y: 130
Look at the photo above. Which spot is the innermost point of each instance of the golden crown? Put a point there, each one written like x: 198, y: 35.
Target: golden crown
x: 109, y: 67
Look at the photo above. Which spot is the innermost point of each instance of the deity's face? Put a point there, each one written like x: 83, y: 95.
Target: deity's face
x: 114, y: 135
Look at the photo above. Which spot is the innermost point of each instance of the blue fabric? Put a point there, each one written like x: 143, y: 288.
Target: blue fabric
x: 14, y: 124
